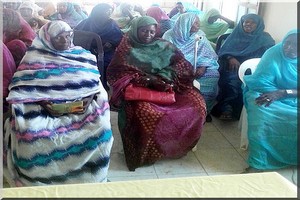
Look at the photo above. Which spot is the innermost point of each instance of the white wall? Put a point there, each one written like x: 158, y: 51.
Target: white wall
x: 279, y: 18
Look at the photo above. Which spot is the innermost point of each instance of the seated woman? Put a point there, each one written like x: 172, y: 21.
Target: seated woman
x: 185, y: 7
x: 17, y: 34
x: 248, y: 40
x: 270, y: 99
x: 29, y: 11
x: 212, y: 27
x: 151, y: 131
x: 100, y: 22
x: 184, y: 35
x: 60, y: 130
x: 123, y: 15
x: 164, y: 22
x: 78, y: 7
x: 67, y: 13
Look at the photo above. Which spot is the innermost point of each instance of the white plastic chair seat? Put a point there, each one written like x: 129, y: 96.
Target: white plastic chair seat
x: 243, y: 123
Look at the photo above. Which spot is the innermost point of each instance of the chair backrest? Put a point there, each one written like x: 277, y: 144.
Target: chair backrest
x: 220, y: 41
x: 89, y: 40
x: 248, y: 64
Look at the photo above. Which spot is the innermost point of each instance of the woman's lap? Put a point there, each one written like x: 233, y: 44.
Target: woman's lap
x: 59, y: 150
x: 272, y: 134
x: 153, y: 132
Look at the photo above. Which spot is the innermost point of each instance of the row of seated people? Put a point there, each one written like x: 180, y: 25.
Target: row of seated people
x: 149, y: 131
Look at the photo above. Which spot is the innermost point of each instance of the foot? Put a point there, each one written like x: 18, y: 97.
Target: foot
x: 251, y: 170
x: 226, y: 116
x: 208, y: 118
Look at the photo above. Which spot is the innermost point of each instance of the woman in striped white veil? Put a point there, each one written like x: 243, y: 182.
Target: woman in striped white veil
x: 60, y: 129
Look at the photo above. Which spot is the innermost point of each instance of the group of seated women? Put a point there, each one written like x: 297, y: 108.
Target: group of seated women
x: 59, y: 130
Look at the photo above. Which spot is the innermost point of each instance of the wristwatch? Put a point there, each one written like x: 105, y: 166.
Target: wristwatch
x: 288, y: 92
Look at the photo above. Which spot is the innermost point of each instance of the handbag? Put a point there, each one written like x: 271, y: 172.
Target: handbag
x: 133, y: 93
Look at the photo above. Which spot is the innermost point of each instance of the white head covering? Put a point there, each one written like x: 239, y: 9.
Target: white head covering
x: 52, y: 29
x: 34, y: 7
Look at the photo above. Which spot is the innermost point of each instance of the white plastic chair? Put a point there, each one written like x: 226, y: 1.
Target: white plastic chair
x: 243, y: 124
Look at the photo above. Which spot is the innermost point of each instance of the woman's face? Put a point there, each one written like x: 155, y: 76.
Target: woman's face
x: 249, y: 25
x: 212, y: 19
x: 62, y: 7
x: 290, y: 46
x: 62, y: 41
x: 146, y: 34
x: 195, y: 26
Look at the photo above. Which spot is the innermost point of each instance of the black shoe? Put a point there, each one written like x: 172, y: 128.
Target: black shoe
x: 251, y: 170
x: 208, y: 118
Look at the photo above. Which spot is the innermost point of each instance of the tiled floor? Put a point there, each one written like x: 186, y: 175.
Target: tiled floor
x: 218, y: 152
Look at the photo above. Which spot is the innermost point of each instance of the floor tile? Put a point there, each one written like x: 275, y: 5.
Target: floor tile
x: 176, y: 175
x: 209, y: 127
x: 186, y: 164
x: 221, y: 160
x: 118, y: 168
x: 243, y: 153
x: 5, y: 183
x: 117, y: 145
x: 131, y: 178
x: 223, y: 173
x: 213, y: 140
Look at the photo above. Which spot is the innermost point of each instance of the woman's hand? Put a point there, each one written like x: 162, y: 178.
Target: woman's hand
x: 107, y: 45
x: 154, y: 82
x: 234, y: 64
x: 161, y: 85
x: 48, y: 107
x: 200, y: 71
x: 269, y: 97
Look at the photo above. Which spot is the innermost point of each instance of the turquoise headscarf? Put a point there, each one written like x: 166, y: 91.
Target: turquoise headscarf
x: 154, y: 57
x: 275, y: 70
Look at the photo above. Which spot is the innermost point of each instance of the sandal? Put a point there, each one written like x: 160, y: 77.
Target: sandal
x: 251, y: 170
x: 208, y: 118
x: 226, y: 116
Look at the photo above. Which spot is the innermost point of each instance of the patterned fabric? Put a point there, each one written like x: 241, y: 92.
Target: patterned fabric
x: 150, y: 131
x: 40, y: 149
x: 180, y: 36
x: 272, y: 130
x: 214, y: 30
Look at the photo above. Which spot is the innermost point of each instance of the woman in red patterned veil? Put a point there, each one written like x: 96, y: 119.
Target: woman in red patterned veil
x: 152, y: 131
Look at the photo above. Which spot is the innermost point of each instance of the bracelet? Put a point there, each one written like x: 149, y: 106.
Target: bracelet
x: 288, y: 92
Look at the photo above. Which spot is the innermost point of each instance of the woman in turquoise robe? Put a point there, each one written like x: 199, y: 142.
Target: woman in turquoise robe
x: 270, y: 98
